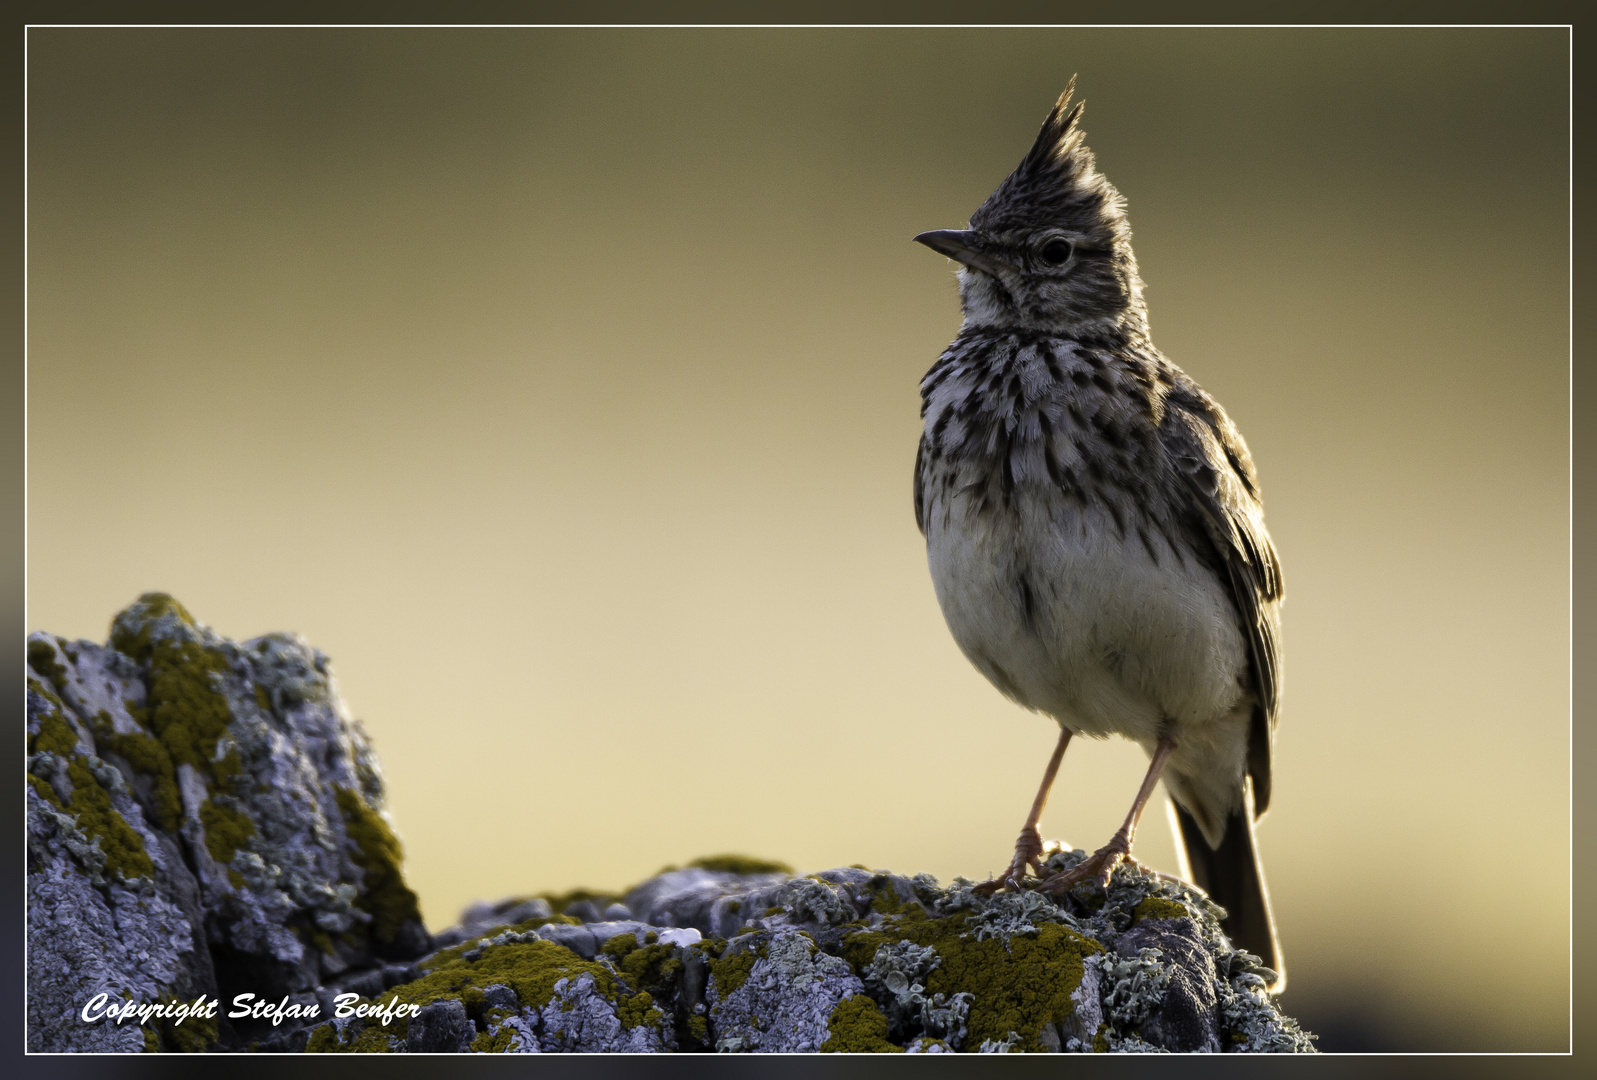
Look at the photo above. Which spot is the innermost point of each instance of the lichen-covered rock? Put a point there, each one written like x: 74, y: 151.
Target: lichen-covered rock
x: 524, y: 993
x: 204, y: 818
x: 851, y: 960
x: 776, y: 991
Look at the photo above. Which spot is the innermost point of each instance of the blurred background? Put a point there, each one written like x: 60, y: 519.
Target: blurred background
x: 562, y: 386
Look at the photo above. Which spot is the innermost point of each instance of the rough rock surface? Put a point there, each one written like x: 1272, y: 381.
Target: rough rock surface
x: 755, y: 959
x: 204, y: 819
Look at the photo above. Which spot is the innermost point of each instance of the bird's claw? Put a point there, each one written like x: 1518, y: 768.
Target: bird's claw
x: 1028, y: 856
x: 1098, y: 867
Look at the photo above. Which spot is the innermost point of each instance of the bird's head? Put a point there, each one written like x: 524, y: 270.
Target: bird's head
x: 1050, y: 249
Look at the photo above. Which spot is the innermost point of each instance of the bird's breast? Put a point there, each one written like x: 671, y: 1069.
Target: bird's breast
x: 1086, y: 609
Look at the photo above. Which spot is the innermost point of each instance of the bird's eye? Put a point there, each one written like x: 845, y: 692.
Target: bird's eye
x: 1055, y: 252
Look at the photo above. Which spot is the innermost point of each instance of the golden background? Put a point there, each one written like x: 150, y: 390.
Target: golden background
x: 562, y: 386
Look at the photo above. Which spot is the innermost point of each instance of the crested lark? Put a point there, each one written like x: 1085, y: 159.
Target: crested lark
x: 1094, y: 526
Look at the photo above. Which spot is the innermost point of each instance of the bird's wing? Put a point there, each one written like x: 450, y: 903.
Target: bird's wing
x: 920, y: 486
x: 1208, y: 451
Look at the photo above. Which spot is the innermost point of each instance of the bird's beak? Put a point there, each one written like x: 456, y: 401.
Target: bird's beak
x: 961, y: 246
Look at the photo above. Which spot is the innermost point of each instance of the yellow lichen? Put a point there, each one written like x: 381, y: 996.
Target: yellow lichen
x: 1016, y: 987
x: 494, y: 1042
x: 226, y: 830
x: 185, y: 711
x: 645, y: 967
x: 41, y: 658
x: 377, y: 852
x: 194, y: 1035
x: 55, y: 736
x: 449, y: 955
x: 858, y: 1026
x: 91, y: 805
x: 731, y: 970
x: 1157, y: 907
x: 146, y: 756
x: 741, y: 864
x: 531, y: 969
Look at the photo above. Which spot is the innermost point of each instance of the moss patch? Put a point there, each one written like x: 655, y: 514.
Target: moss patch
x: 45, y: 791
x: 558, y: 902
x: 195, y: 1035
x: 885, y: 899
x: 1016, y: 988
x: 455, y: 952
x: 638, y: 1009
x: 530, y: 968
x: 226, y: 830
x: 378, y: 853
x: 187, y: 713
x: 146, y: 756
x: 55, y: 736
x: 494, y: 1042
x: 858, y: 1026
x: 131, y: 629
x: 1157, y: 907
x: 730, y: 972
x: 188, y: 716
x: 90, y: 806
x: 645, y: 967
x: 740, y: 864
x: 41, y: 658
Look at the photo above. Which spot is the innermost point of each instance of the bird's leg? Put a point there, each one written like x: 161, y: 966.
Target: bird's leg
x: 1101, y: 863
x: 1028, y: 846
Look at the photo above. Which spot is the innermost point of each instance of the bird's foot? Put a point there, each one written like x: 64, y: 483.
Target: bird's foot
x: 1099, y: 867
x: 1028, y: 855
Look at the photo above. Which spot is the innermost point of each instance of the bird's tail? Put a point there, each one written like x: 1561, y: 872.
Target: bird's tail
x: 1233, y: 878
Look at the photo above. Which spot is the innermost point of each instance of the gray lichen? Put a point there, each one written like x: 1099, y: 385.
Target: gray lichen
x: 784, y: 1002
x: 896, y: 977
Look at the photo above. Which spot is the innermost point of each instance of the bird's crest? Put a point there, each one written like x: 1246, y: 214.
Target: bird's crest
x: 1059, y: 138
x: 1058, y: 180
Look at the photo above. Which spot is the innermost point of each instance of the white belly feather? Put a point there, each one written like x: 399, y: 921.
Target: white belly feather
x: 1117, y: 642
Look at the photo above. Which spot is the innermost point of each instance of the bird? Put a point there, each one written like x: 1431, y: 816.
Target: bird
x: 1095, y: 530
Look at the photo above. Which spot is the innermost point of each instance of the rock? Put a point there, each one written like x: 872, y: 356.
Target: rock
x: 204, y: 819
x: 1186, y: 1017
x: 854, y: 960
x: 579, y: 939
x: 498, y: 996
x: 440, y: 1028
x: 536, y: 908
x: 686, y: 897
x: 482, y: 917
x: 582, y: 1016
x: 586, y: 910
x: 775, y: 991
